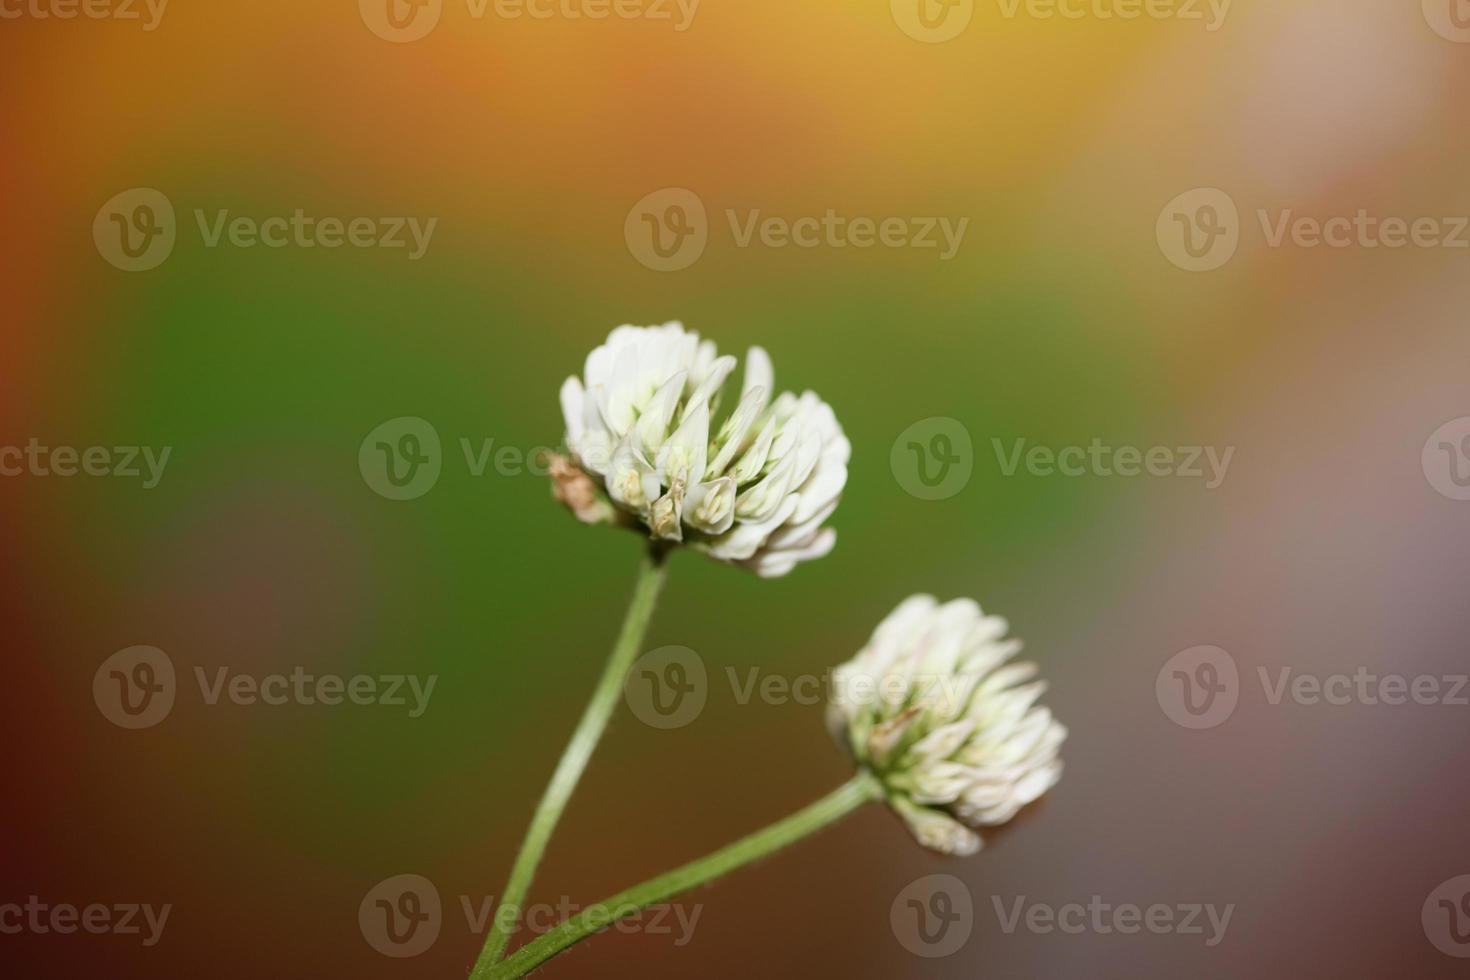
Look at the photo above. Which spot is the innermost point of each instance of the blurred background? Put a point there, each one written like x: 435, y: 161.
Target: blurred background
x: 1336, y: 542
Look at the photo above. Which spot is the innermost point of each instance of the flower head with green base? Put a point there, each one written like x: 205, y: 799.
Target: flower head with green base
x: 934, y: 709
x: 753, y: 485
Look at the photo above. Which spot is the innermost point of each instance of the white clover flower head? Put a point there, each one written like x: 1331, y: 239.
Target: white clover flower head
x: 933, y: 709
x: 751, y: 486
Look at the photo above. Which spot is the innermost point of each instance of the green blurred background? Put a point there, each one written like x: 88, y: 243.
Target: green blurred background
x: 1060, y: 319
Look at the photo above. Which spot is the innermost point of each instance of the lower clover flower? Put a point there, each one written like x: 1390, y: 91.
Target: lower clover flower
x: 943, y: 728
x: 751, y: 487
x: 933, y: 709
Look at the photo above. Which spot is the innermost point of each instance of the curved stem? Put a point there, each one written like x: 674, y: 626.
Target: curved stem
x: 651, y: 575
x: 861, y: 789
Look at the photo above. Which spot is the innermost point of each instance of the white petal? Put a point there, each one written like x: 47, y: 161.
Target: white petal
x: 710, y: 507
x: 687, y: 449
x: 823, y: 486
x: 759, y: 502
x: 718, y: 372
x: 758, y: 371
x: 938, y: 831
x: 627, y: 482
x: 794, y: 535
x: 666, y: 515
x: 571, y: 409
x: 943, y: 741
x: 618, y: 403
x: 653, y: 424
x: 775, y: 563
x: 742, y: 540
x: 750, y: 464
x: 937, y: 783
x: 731, y: 438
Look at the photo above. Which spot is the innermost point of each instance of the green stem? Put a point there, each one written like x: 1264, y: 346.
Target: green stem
x: 651, y: 575
x: 831, y: 808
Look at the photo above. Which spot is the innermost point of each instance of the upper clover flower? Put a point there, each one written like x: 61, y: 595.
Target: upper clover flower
x: 932, y: 709
x: 751, y: 487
